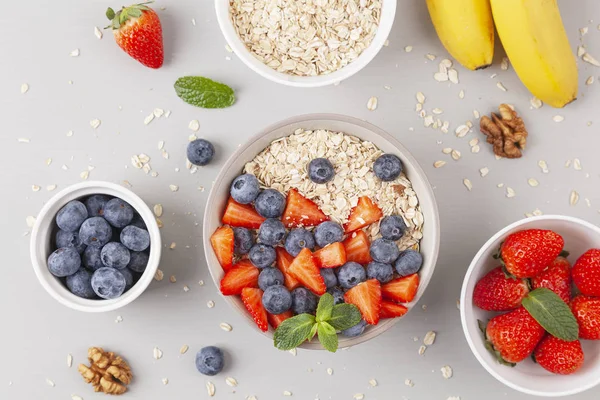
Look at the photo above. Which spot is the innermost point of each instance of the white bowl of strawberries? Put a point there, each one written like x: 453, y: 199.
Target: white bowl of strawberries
x: 530, y: 306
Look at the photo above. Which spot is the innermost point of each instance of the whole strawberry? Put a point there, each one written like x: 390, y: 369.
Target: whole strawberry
x: 586, y: 273
x: 496, y: 292
x: 587, y: 313
x: 137, y: 30
x: 527, y: 253
x: 559, y: 356
x: 557, y: 277
x: 514, y: 336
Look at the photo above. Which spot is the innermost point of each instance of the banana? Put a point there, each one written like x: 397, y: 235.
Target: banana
x: 466, y: 30
x: 536, y: 43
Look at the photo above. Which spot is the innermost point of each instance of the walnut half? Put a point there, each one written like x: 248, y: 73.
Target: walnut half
x: 108, y: 372
x: 505, y: 131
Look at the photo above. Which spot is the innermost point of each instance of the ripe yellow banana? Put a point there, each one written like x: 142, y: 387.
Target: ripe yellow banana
x: 466, y: 30
x: 536, y: 43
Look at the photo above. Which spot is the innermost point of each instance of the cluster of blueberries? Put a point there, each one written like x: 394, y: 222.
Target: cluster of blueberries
x: 102, y: 247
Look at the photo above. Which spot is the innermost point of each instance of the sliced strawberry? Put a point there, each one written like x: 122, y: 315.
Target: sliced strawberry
x: 284, y: 260
x: 366, y: 296
x: 241, y: 215
x: 276, y: 320
x: 300, y: 211
x: 331, y: 256
x: 305, y: 269
x: 364, y: 214
x: 357, y: 248
x: 252, y: 299
x: 401, y: 290
x: 222, y: 243
x: 240, y: 276
x: 389, y: 309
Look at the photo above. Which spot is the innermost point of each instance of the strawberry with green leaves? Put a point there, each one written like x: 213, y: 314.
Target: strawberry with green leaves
x: 557, y: 277
x: 586, y: 273
x: 559, y: 356
x: 497, y: 292
x: 527, y: 253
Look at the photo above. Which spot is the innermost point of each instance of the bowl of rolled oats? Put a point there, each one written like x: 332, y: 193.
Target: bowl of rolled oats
x: 279, y: 158
x: 306, y: 44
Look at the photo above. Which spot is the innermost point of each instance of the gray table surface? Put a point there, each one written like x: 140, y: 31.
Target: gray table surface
x: 66, y: 92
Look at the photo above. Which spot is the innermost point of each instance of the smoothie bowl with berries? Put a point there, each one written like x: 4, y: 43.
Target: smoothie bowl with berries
x: 321, y: 224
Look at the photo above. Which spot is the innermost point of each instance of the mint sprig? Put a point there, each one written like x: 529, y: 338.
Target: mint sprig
x: 203, y: 92
x: 552, y: 313
x: 329, y: 319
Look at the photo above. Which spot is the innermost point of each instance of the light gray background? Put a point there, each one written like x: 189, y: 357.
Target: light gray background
x: 37, y: 333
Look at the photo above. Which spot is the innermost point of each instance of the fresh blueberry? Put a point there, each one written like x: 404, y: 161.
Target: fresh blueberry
x: 328, y: 232
x: 338, y: 295
x: 210, y: 360
x: 269, y: 277
x: 95, y: 205
x: 138, y: 221
x: 69, y: 239
x: 392, y: 227
x: 71, y: 216
x: 108, y: 283
x: 115, y: 255
x: 271, y: 232
x: 244, y: 189
x: 380, y: 271
x: 277, y: 299
x: 298, y: 239
x: 243, y: 240
x: 91, y: 258
x: 80, y: 284
x: 200, y: 152
x: 270, y: 203
x: 409, y: 262
x: 303, y: 301
x: 387, y: 167
x: 135, y: 238
x: 64, y: 262
x: 118, y: 212
x: 262, y: 255
x: 351, y: 274
x: 320, y: 170
x: 384, y: 251
x: 126, y: 272
x: 355, y: 330
x: 329, y: 277
x: 138, y: 260
x: 95, y: 231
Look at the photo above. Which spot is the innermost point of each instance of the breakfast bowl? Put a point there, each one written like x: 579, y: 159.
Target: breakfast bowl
x: 357, y: 130
x: 43, y: 244
x: 275, y: 73
x: 527, y: 376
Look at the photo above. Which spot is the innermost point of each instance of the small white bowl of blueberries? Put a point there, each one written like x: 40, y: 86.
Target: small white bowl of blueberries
x: 95, y: 246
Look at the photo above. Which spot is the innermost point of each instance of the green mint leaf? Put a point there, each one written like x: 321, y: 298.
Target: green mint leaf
x: 328, y: 336
x: 110, y: 13
x: 313, y: 331
x: 204, y: 92
x: 325, y: 307
x: 293, y: 331
x: 344, y: 316
x: 553, y: 314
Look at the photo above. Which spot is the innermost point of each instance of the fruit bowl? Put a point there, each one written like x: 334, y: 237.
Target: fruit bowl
x: 527, y: 377
x: 218, y: 198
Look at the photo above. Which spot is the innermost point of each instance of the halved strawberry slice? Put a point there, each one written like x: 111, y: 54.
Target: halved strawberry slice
x: 240, y: 276
x: 252, y: 299
x: 284, y: 260
x: 389, y: 309
x: 357, y: 248
x: 364, y: 214
x: 222, y: 243
x: 241, y: 215
x: 276, y: 320
x: 305, y: 269
x: 331, y: 256
x: 300, y: 211
x: 367, y: 297
x: 401, y: 290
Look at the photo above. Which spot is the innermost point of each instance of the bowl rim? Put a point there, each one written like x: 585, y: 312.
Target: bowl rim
x: 434, y: 224
x: 463, y: 296
x: 383, y: 30
x: 65, y: 297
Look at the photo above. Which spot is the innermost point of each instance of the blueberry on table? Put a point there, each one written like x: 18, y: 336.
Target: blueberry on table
x: 392, y: 227
x: 338, y: 295
x: 409, y: 262
x: 200, y: 152
x: 329, y: 277
x: 95, y: 204
x: 91, y: 258
x: 351, y: 274
x: 138, y: 260
x: 355, y: 330
x: 384, y: 251
x: 277, y: 299
x: 320, y: 170
x: 64, y: 262
x: 304, y: 301
x: 95, y: 231
x: 245, y: 188
x: 270, y: 203
x: 387, y: 167
x: 262, y: 255
x: 210, y: 360
x: 115, y: 255
x: 298, y: 239
x: 134, y: 238
x: 270, y: 277
x: 271, y: 232
x: 243, y: 240
x: 126, y: 272
x: 118, y: 212
x: 108, y: 283
x: 380, y: 271
x: 71, y: 216
x: 69, y: 239
x: 80, y: 284
x: 328, y: 232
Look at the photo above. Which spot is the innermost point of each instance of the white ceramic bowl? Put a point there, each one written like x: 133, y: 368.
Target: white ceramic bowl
x: 234, y: 166
x: 527, y: 377
x: 42, y: 239
x: 388, y: 13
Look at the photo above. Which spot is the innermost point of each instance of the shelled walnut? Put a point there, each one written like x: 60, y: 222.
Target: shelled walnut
x: 505, y: 131
x: 108, y: 372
